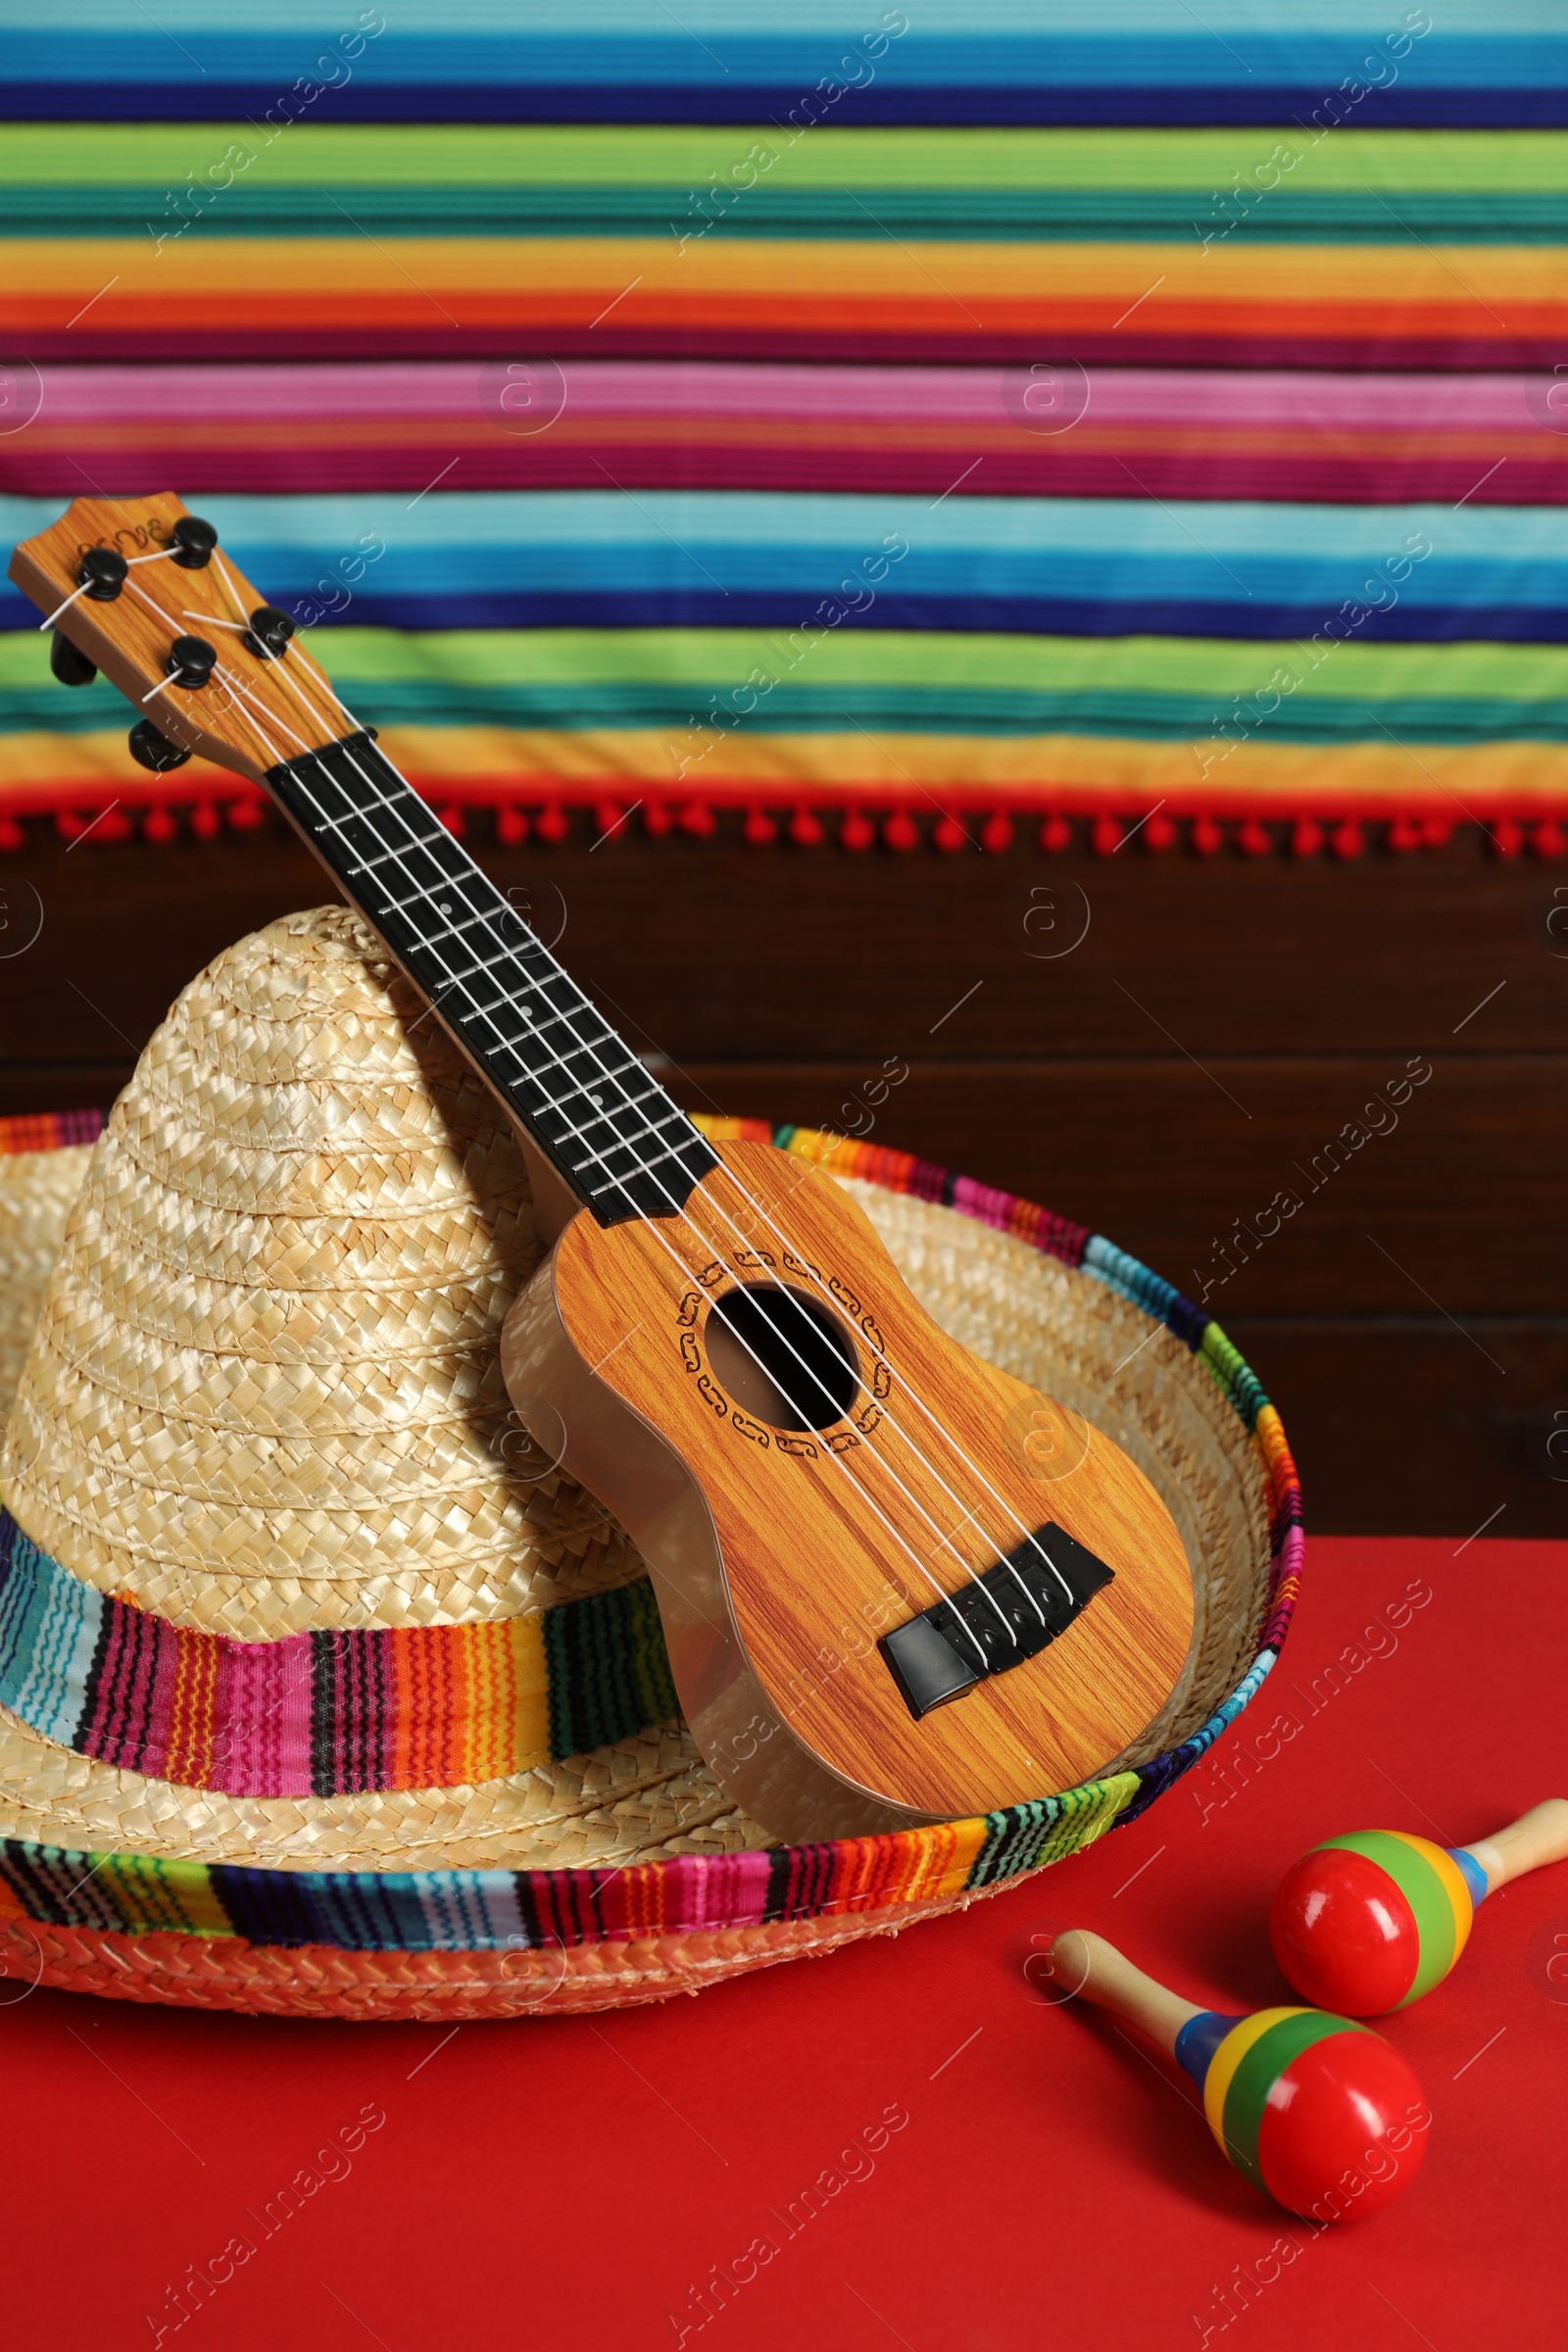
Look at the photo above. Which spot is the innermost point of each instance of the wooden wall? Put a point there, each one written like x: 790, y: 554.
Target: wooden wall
x: 1158, y: 1047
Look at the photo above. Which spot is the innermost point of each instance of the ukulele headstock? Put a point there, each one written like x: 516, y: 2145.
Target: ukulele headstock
x: 140, y: 588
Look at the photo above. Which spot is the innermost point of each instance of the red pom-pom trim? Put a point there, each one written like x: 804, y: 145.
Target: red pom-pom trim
x: 1348, y: 840
x: 1405, y: 835
x: 1105, y: 836
x: 1055, y: 835
x: 995, y: 834
x: 657, y: 818
x: 609, y: 818
x: 553, y: 823
x: 451, y: 815
x: 1547, y: 839
x: 900, y: 831
x: 949, y: 835
x: 759, y: 828
x: 12, y: 837
x: 246, y: 817
x: 857, y: 833
x: 1306, y: 837
x: 806, y: 829
x: 1160, y: 833
x: 512, y: 826
x: 699, y: 820
x: 205, y: 821
x: 1253, y: 839
x: 157, y: 825
x: 1208, y: 837
x: 1436, y: 831
x: 1508, y: 837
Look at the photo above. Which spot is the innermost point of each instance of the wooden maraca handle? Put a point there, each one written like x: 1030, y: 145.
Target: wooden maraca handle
x: 1538, y: 1836
x: 1085, y: 1964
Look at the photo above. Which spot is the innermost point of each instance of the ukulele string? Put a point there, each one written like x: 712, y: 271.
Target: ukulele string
x: 704, y: 1242
x: 1030, y: 1536
x: 944, y: 1537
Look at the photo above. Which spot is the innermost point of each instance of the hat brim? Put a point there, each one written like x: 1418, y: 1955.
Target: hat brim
x: 626, y: 1875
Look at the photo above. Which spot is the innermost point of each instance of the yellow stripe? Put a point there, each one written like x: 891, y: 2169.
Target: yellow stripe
x: 50, y: 274
x: 1057, y: 771
x: 1453, y: 1884
x: 1228, y: 2057
x: 530, y: 1711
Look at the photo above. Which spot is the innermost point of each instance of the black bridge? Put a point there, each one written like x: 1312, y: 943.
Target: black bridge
x: 994, y: 1622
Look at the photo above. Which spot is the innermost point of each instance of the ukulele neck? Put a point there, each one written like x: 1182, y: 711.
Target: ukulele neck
x: 606, y: 1126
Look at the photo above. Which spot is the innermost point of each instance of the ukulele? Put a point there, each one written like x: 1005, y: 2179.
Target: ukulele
x: 896, y: 1585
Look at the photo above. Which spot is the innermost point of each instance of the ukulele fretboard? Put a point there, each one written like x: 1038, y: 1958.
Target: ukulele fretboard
x: 598, y: 1115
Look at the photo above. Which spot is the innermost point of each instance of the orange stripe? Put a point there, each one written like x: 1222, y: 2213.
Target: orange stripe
x: 510, y: 282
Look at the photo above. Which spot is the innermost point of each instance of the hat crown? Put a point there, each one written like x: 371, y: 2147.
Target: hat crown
x: 263, y: 1395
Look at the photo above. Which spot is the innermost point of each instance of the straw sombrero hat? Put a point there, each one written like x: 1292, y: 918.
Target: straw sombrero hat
x: 320, y: 1692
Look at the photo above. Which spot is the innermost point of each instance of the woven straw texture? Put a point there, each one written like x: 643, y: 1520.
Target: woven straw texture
x: 36, y: 1193
x: 264, y: 1394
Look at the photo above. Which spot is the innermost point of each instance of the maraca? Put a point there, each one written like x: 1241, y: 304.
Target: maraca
x: 1371, y: 1921
x: 1323, y: 2115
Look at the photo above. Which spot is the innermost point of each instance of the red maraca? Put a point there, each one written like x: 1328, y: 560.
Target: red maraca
x: 1371, y: 1921
x: 1323, y: 2115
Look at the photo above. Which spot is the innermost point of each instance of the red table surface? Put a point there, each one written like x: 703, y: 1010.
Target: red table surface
x: 566, y: 2183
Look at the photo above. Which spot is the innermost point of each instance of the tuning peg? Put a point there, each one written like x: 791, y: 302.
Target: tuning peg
x: 193, y: 543
x: 102, y: 572
x: 191, y: 661
x: 151, y: 750
x: 268, y: 633
x: 69, y: 663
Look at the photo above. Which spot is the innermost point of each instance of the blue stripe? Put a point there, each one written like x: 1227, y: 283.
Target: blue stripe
x: 49, y: 1624
x: 1069, y: 566
x: 997, y: 44
x: 1238, y: 61
x: 127, y: 99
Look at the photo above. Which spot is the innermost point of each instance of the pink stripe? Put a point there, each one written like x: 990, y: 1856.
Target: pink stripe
x: 155, y: 1749
x: 983, y: 1201
x: 264, y: 1713
x: 122, y: 1687
x: 1150, y: 397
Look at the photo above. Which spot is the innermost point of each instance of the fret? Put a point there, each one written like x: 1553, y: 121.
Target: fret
x: 608, y: 1128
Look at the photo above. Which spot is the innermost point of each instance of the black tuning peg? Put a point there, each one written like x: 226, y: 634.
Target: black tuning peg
x: 101, y: 574
x: 69, y: 663
x: 193, y: 543
x: 191, y: 661
x: 268, y: 633
x: 151, y: 750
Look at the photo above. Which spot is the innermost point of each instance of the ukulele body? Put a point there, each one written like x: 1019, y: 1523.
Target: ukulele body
x: 782, y: 1555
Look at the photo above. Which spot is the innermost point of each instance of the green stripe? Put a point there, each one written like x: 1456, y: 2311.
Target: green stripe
x: 1259, y: 2071
x: 1423, y: 1890
x: 252, y: 209
x: 1513, y: 164
x: 1209, y: 668
x: 607, y: 1669
x: 1147, y: 689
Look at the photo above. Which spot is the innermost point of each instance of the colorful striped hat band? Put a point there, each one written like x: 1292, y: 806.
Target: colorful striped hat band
x: 322, y: 1714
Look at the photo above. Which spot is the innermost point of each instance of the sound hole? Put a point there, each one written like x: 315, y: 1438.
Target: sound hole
x: 782, y: 1357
